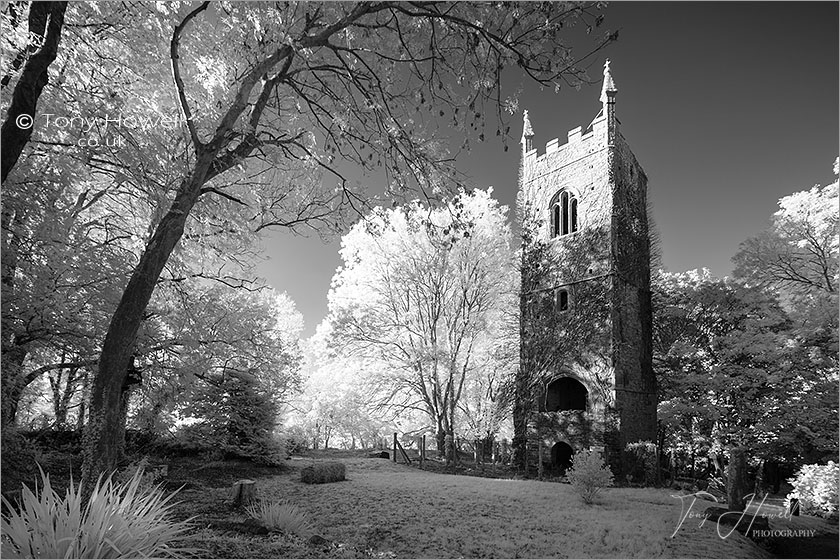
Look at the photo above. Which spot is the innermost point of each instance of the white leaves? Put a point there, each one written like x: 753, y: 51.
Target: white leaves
x: 424, y: 288
x: 798, y: 253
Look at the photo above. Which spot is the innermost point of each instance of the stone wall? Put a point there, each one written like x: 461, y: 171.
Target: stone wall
x: 604, y: 340
x: 632, y: 323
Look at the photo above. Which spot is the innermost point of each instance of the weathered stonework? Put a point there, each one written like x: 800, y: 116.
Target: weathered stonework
x: 600, y: 328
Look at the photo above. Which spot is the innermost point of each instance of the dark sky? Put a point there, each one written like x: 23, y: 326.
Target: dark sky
x: 728, y: 106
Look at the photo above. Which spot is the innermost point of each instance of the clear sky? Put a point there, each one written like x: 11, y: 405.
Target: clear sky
x: 728, y: 106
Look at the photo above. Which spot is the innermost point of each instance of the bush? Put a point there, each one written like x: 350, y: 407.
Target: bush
x: 215, y: 444
x: 297, y: 440
x: 320, y: 473
x: 266, y: 451
x: 815, y: 486
x: 642, y: 465
x: 149, y: 474
x: 280, y: 516
x: 143, y: 442
x: 588, y: 474
x: 19, y: 459
x: 238, y: 417
x: 119, y: 521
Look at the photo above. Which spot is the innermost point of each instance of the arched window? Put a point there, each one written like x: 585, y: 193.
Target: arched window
x: 565, y: 393
x: 564, y: 213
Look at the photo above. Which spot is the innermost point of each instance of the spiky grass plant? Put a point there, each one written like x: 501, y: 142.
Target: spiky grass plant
x: 119, y: 521
x: 280, y: 516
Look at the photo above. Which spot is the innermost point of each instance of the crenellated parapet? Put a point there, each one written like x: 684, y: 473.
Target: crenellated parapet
x: 587, y: 199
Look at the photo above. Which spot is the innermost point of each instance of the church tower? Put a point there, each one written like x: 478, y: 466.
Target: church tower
x: 586, y: 377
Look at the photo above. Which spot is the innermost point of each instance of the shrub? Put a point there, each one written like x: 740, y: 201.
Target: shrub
x: 119, y: 521
x: 143, y: 442
x: 297, y: 440
x: 149, y: 474
x: 211, y: 443
x: 588, y: 474
x: 19, y: 459
x: 280, y: 516
x: 320, y: 473
x: 642, y: 465
x: 815, y: 486
x: 237, y: 417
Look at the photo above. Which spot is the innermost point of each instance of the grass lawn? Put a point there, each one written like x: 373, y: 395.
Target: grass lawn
x: 386, y: 510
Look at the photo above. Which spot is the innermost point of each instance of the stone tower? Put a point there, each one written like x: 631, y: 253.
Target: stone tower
x: 586, y: 378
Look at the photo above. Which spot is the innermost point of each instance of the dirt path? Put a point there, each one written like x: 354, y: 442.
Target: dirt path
x: 410, y: 513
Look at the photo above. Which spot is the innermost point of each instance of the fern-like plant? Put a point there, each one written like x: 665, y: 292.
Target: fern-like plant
x: 280, y: 516
x: 119, y: 521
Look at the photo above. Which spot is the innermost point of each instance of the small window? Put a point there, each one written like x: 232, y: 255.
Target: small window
x: 561, y: 299
x: 564, y: 214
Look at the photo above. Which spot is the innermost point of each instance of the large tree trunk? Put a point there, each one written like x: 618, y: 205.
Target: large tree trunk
x: 736, y: 479
x: 11, y: 222
x: 104, y: 427
x: 84, y: 397
x: 12, y: 382
x: 522, y: 397
x: 125, y: 396
x: 45, y: 22
x: 440, y: 436
x: 12, y: 354
x: 69, y: 390
x: 452, y: 427
x: 521, y: 409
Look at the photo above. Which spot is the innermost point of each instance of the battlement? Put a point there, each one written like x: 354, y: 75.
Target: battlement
x: 574, y: 137
x: 587, y: 197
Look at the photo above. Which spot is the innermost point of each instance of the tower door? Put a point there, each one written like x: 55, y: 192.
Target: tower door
x: 561, y: 456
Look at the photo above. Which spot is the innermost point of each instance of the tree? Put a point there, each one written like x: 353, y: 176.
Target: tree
x: 270, y: 95
x: 338, y: 85
x: 70, y: 232
x: 488, y: 397
x: 719, y: 353
x: 797, y: 257
x: 45, y: 21
x: 423, y: 291
x: 338, y: 401
x: 798, y: 253
x: 226, y: 359
x: 731, y: 372
x: 64, y: 252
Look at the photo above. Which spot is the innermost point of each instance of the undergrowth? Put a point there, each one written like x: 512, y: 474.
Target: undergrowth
x: 119, y: 521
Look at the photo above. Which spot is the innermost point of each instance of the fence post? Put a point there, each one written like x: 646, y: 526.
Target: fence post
x: 422, y: 450
x: 395, y: 447
x: 540, y: 459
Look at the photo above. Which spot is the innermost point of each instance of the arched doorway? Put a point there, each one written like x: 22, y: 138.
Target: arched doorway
x: 565, y: 393
x: 561, y: 456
